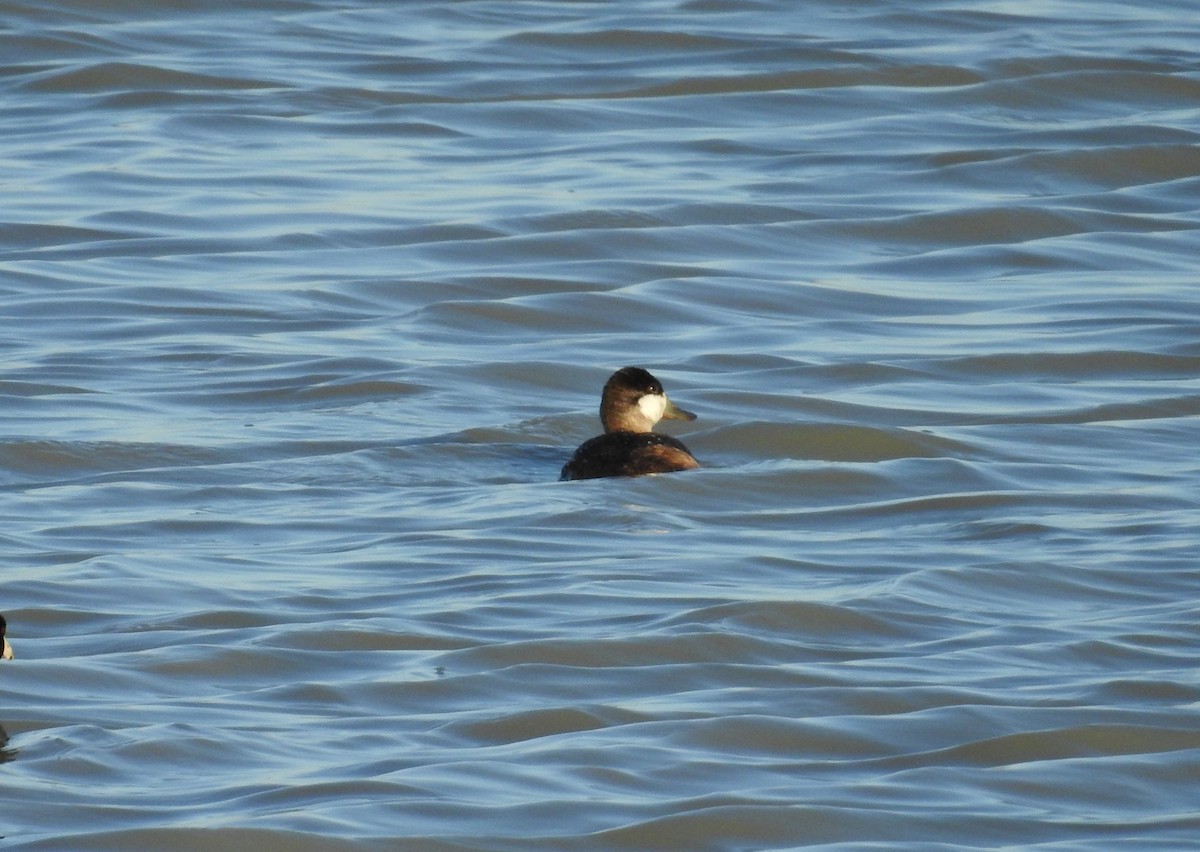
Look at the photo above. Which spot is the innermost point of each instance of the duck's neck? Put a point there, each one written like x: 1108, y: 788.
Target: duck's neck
x: 633, y: 419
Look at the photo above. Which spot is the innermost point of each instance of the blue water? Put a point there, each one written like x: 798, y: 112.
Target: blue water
x: 304, y: 305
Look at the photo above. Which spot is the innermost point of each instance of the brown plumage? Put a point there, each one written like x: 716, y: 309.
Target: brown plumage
x: 631, y: 403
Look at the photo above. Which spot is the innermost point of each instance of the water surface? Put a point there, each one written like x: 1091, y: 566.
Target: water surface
x: 305, y: 304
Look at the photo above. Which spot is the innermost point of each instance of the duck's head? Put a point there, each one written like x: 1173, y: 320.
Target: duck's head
x: 7, y: 653
x: 633, y: 401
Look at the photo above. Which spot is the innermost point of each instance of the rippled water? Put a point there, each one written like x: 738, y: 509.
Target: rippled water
x: 305, y: 304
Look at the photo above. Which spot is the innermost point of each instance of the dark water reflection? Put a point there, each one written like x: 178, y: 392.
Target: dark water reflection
x: 306, y: 305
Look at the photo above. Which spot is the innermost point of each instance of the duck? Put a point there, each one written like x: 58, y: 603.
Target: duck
x: 631, y: 403
x: 7, y: 654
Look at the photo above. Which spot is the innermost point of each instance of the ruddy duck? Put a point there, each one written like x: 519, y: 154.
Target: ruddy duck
x: 7, y: 653
x: 632, y: 402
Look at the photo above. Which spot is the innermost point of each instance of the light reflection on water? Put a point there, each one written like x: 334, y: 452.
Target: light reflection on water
x: 307, y: 306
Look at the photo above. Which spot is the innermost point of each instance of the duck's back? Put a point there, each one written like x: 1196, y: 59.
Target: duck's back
x: 628, y: 454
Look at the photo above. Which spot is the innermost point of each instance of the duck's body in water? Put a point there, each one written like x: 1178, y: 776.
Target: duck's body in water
x: 632, y: 402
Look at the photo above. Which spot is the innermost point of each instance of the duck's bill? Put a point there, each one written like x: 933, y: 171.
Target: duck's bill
x: 674, y: 412
x: 7, y: 655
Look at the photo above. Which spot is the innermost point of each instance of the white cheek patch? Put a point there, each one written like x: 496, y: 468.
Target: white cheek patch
x: 653, y: 405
